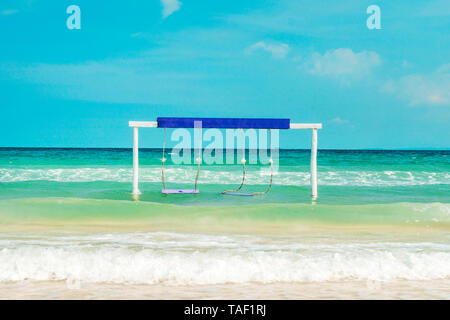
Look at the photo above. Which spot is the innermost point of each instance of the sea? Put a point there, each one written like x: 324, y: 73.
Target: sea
x: 71, y: 229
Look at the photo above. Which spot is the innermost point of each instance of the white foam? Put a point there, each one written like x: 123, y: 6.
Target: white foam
x: 195, y: 259
x: 227, y: 176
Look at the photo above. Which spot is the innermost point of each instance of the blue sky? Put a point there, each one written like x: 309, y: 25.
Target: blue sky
x: 310, y: 61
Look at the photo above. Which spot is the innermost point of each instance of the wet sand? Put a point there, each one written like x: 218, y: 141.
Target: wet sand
x: 436, y: 289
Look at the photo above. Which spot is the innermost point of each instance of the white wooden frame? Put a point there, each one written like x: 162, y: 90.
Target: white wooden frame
x: 153, y: 124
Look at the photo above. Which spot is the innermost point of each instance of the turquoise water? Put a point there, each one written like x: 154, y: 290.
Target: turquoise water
x: 345, y: 177
x: 68, y: 214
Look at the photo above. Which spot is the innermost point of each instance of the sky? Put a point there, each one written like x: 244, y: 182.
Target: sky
x: 310, y: 61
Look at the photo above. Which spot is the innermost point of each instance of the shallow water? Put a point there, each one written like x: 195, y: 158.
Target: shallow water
x: 69, y: 227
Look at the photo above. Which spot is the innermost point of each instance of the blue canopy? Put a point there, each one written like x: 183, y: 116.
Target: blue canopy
x: 223, y: 123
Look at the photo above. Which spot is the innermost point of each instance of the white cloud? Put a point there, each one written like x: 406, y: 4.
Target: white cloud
x: 338, y: 120
x: 406, y: 64
x: 422, y: 89
x: 140, y: 80
x: 278, y: 51
x: 136, y: 34
x: 445, y: 68
x: 162, y: 75
x: 8, y: 12
x: 342, y: 62
x: 169, y: 7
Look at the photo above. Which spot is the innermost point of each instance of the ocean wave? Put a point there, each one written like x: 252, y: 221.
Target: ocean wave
x: 183, y: 259
x: 209, y: 176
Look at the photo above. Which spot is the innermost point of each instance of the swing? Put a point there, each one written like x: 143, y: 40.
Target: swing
x: 222, y: 123
x: 234, y: 191
x: 177, y: 191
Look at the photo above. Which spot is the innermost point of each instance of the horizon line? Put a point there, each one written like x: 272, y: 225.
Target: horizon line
x: 307, y: 149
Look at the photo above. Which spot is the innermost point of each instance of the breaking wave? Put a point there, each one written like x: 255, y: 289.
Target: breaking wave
x: 216, y: 176
x: 188, y: 259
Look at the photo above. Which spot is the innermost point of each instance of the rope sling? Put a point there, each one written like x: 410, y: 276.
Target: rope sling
x: 163, y: 160
x: 232, y: 192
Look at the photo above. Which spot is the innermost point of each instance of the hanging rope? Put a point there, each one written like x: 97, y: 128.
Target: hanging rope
x: 199, y: 160
x: 243, y: 165
x: 163, y: 160
x: 271, y: 166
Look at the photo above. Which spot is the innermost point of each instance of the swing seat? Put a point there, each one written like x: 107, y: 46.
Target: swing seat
x: 237, y: 194
x: 175, y: 191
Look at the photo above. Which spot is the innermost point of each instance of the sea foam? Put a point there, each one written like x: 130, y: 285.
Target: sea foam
x: 189, y: 259
x: 208, y: 176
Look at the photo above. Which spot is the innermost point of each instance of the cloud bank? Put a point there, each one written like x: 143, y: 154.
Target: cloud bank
x: 422, y: 89
x: 278, y: 51
x: 169, y: 7
x: 8, y: 12
x: 342, y: 62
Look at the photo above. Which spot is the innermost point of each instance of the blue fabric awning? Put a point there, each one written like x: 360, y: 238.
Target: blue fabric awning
x: 223, y: 123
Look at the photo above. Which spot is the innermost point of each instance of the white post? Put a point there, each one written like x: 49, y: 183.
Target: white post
x: 314, y: 164
x: 135, y: 161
